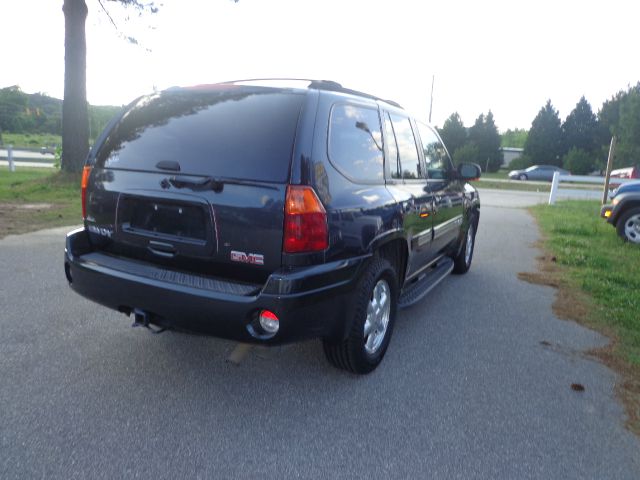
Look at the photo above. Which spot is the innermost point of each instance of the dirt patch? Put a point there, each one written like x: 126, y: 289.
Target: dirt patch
x: 33, y: 206
x: 573, y: 304
x: 18, y: 218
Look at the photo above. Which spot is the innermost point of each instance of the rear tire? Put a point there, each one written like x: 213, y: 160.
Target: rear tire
x: 376, y: 305
x: 628, y: 225
x: 462, y: 261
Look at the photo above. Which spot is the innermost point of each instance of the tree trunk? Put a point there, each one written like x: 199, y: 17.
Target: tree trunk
x: 75, y: 115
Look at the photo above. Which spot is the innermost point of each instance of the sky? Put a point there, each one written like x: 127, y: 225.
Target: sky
x: 509, y: 57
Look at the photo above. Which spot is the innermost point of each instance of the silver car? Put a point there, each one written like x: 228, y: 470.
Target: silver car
x: 537, y: 172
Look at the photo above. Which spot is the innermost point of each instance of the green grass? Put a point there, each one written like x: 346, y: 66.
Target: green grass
x: 31, y: 140
x: 35, y: 198
x: 38, y: 185
x: 600, y: 264
x: 500, y: 174
x: 523, y: 186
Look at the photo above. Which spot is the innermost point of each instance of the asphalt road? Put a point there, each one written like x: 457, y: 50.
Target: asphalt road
x: 467, y: 389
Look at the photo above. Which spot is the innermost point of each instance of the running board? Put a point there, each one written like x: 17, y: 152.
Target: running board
x: 416, y: 291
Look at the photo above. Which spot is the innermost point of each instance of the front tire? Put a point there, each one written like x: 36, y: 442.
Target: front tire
x: 628, y: 225
x: 522, y: 177
x: 376, y: 306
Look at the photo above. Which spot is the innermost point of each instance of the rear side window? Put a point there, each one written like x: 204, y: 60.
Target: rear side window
x: 247, y: 134
x: 355, y: 143
x: 409, y: 160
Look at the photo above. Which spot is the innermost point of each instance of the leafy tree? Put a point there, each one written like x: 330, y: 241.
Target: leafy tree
x: 544, y: 142
x: 39, y: 113
x: 13, y: 106
x: 578, y: 162
x: 453, y: 133
x: 580, y: 129
x: 628, y: 150
x: 620, y: 116
x: 484, y: 134
x: 514, y: 138
x: 468, y: 153
x: 75, y: 115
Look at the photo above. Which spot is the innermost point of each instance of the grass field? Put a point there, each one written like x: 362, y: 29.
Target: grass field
x: 31, y: 140
x: 600, y: 277
x: 35, y: 198
x: 599, y: 263
x: 501, y: 174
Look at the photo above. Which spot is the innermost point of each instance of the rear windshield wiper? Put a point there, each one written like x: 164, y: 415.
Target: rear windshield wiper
x: 207, y: 183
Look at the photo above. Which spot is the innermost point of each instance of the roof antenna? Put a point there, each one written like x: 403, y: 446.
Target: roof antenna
x: 433, y: 78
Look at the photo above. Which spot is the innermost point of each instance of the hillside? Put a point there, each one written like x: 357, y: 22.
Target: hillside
x: 36, y: 113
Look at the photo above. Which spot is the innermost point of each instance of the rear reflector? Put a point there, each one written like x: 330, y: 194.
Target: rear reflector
x: 86, y: 171
x: 269, y: 321
x: 305, y: 221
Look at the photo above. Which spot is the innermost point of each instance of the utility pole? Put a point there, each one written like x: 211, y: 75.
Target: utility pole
x: 433, y: 78
x: 612, y: 152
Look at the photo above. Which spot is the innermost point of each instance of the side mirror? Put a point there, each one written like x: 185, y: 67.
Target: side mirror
x: 469, y: 171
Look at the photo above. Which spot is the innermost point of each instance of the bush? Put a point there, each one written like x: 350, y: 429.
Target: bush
x: 578, y: 162
x: 520, y: 163
x: 468, y: 153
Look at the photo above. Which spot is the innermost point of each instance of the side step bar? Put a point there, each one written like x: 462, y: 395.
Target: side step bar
x: 416, y: 291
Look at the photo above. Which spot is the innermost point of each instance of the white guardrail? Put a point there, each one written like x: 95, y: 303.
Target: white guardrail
x: 557, y: 179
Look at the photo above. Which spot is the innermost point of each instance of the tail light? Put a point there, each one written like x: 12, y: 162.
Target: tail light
x: 305, y: 221
x: 83, y: 185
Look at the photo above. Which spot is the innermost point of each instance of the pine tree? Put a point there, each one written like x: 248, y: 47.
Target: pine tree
x: 484, y: 135
x: 544, y: 142
x: 453, y: 133
x: 580, y: 129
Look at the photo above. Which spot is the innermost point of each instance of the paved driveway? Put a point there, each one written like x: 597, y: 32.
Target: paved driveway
x: 467, y: 389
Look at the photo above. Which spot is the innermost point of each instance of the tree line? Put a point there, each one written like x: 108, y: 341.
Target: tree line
x: 39, y: 113
x: 580, y: 144
x: 479, y: 143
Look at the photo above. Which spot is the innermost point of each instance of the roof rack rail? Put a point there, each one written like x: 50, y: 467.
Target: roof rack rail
x: 328, y: 85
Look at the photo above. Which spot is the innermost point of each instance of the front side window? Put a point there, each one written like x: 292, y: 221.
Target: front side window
x: 435, y: 154
x: 408, y: 153
x: 355, y: 143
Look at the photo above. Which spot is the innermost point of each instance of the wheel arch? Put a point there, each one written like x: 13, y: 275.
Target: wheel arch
x: 624, y: 206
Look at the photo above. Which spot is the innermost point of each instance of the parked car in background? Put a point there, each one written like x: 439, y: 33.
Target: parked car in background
x: 537, y: 172
x: 627, y: 172
x: 51, y: 149
x: 624, y: 211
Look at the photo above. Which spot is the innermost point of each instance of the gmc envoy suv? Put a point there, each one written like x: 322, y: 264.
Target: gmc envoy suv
x: 271, y: 211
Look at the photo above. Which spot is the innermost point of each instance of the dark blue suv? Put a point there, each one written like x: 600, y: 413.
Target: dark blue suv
x: 270, y: 212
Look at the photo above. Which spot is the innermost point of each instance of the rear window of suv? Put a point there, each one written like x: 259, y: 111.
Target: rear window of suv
x: 235, y: 133
x: 355, y: 143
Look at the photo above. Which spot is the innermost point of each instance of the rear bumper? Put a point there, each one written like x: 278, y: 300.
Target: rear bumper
x: 310, y: 302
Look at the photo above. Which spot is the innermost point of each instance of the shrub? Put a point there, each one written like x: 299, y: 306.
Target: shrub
x: 468, y: 153
x: 520, y: 163
x: 578, y: 162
